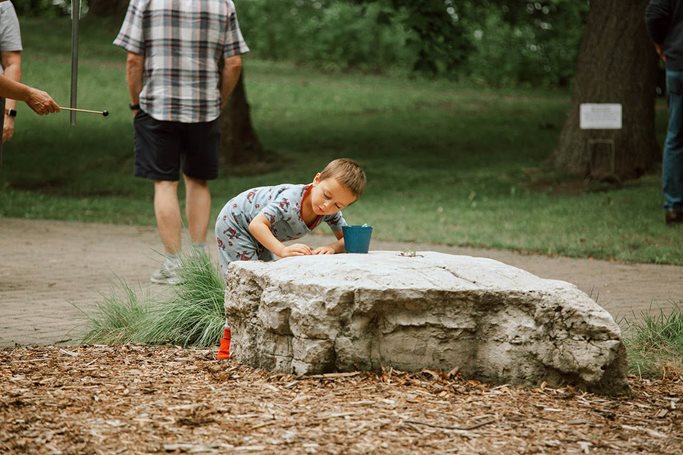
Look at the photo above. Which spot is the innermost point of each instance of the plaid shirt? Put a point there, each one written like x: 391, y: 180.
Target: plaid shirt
x: 183, y: 42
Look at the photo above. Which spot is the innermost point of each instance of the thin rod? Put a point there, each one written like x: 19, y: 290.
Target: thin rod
x: 73, y: 109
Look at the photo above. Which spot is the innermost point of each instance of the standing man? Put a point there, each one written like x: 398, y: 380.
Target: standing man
x: 664, y: 19
x: 176, y: 49
x: 10, y: 59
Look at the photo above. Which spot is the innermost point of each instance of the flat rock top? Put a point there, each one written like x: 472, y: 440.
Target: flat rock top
x: 397, y: 270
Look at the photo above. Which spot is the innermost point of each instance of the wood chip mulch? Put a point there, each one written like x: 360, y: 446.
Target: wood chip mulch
x: 139, y: 399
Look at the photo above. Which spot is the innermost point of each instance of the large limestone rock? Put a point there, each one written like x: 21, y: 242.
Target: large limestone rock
x: 494, y: 322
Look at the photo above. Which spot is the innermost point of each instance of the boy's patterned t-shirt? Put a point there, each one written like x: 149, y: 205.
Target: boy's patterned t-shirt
x: 281, y: 205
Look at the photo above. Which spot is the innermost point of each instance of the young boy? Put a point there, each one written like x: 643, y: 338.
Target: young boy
x: 254, y: 224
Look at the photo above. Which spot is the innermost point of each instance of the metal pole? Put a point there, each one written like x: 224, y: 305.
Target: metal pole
x: 75, y: 16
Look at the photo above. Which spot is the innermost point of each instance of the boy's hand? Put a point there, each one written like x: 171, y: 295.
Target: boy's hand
x: 298, y: 249
x: 324, y: 250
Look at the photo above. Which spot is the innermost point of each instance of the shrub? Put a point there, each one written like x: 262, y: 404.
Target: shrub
x: 655, y: 343
x: 192, y: 315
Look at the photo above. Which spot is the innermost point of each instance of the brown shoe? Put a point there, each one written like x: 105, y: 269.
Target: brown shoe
x: 673, y: 216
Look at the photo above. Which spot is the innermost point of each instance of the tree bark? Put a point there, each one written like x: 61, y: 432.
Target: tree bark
x: 239, y: 143
x: 616, y: 64
x: 106, y: 8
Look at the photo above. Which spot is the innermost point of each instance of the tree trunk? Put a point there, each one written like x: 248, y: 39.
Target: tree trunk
x: 239, y: 143
x: 617, y: 63
x: 105, y: 8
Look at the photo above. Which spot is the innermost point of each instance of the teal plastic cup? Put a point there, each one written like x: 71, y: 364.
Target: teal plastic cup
x: 357, y: 238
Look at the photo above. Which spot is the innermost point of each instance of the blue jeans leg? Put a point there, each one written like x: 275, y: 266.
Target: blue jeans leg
x: 672, y: 160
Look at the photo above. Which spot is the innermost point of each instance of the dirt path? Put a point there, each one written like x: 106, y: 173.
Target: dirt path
x: 52, y: 271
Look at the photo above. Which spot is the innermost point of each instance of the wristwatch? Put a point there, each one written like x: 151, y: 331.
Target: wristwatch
x: 134, y: 107
x: 11, y: 112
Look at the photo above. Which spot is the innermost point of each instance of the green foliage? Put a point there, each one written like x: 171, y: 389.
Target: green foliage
x: 532, y: 52
x: 439, y: 39
x: 44, y: 8
x: 655, y: 343
x: 327, y: 34
x: 501, y: 43
x: 192, y: 315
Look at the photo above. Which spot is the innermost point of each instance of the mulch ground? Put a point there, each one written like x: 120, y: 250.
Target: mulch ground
x: 136, y: 399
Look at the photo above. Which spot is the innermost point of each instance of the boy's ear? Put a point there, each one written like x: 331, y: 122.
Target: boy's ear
x: 316, y: 179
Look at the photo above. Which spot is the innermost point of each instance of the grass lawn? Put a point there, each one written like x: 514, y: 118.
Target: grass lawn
x: 447, y: 163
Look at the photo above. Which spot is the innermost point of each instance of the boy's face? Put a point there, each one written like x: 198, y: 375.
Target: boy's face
x: 328, y: 196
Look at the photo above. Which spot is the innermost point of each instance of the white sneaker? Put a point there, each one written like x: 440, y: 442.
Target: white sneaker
x: 200, y: 249
x: 168, y: 273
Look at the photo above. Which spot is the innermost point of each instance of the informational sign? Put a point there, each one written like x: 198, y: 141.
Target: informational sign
x: 600, y: 116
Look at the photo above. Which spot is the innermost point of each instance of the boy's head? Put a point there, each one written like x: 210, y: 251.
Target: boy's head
x: 339, y: 185
x: 347, y: 172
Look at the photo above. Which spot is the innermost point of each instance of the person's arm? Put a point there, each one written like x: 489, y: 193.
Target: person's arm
x: 135, y: 64
x: 332, y: 248
x: 658, y: 21
x: 11, y: 62
x: 260, y: 229
x: 38, y: 100
x: 232, y: 68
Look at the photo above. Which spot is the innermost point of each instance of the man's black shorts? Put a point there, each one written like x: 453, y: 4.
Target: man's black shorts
x: 162, y: 148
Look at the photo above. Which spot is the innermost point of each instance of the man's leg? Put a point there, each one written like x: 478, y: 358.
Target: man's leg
x: 157, y: 157
x: 200, y: 142
x: 167, y: 212
x: 672, y: 159
x: 197, y: 209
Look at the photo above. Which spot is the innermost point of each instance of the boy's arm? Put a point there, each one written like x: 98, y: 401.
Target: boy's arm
x: 260, y: 229
x: 332, y: 248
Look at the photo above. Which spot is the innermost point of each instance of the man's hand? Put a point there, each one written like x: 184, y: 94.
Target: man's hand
x: 298, y: 249
x: 41, y: 102
x: 660, y: 51
x: 8, y: 128
x: 325, y: 249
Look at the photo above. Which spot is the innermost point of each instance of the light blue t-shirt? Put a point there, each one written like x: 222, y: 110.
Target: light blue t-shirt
x: 281, y: 205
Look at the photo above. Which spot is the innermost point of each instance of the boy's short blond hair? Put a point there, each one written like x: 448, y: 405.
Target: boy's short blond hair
x: 348, y: 173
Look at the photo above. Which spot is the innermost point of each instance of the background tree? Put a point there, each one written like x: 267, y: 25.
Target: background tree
x: 616, y: 64
x: 239, y: 141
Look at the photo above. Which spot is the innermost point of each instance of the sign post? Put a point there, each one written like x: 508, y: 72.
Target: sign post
x: 75, y: 16
x: 601, y: 155
x: 600, y: 116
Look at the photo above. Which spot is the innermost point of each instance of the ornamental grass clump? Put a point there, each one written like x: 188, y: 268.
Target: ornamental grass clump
x: 117, y: 319
x: 191, y: 315
x: 194, y: 315
x: 654, y: 343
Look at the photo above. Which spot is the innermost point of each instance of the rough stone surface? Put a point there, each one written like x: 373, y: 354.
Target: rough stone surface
x: 491, y: 321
